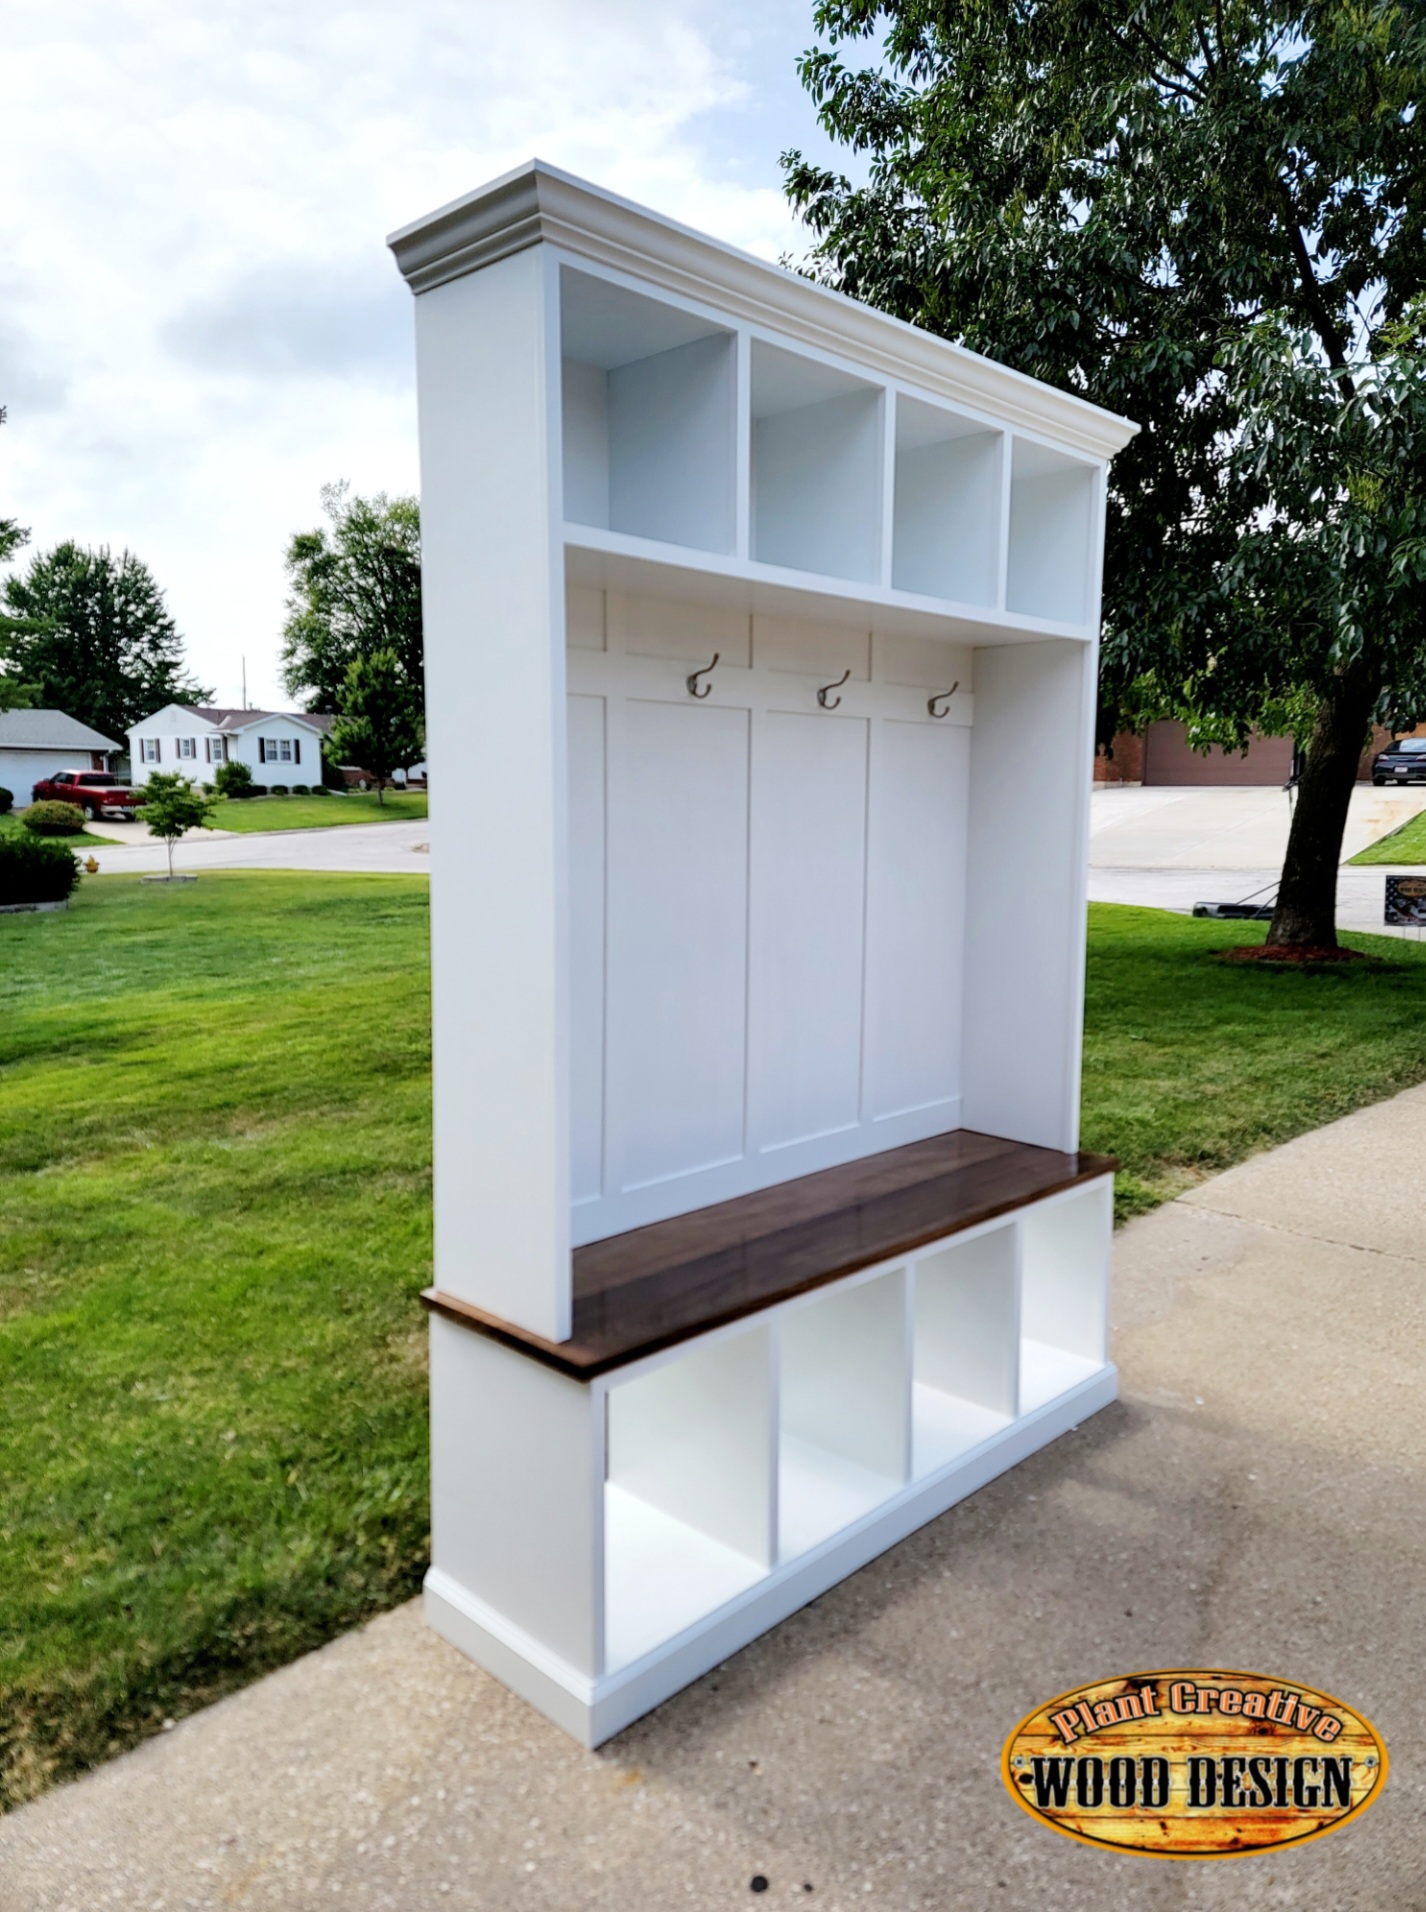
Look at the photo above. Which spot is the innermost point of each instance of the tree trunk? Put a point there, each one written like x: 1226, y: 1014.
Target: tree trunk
x: 1306, y: 912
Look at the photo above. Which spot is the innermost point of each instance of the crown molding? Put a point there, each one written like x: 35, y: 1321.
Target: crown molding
x: 538, y: 204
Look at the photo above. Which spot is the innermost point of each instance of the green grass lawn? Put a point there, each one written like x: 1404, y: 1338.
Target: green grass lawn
x: 83, y: 839
x: 1190, y: 1064
x: 1405, y: 845
x: 316, y: 813
x: 214, y: 1221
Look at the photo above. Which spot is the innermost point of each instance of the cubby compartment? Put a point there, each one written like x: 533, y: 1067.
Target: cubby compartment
x: 1064, y: 1292
x: 967, y: 1347
x: 649, y: 412
x: 946, y: 531
x: 844, y: 1409
x: 688, y: 1507
x: 1053, y: 535
x: 817, y: 464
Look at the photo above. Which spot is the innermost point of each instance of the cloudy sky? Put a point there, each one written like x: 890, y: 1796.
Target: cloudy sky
x: 199, y: 321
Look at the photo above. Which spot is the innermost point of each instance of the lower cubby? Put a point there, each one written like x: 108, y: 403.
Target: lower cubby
x: 843, y: 1409
x: 688, y: 1494
x: 966, y: 1375
x: 1064, y: 1292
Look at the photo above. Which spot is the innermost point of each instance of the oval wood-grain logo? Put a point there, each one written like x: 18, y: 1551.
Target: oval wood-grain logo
x: 1194, y: 1764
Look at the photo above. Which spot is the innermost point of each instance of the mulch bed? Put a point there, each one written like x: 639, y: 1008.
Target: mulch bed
x: 1294, y: 956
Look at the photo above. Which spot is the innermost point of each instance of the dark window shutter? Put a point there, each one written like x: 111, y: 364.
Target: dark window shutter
x: 262, y: 750
x: 296, y: 750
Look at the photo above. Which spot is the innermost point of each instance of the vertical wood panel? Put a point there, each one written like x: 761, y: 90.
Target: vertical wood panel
x: 809, y: 849
x: 916, y: 907
x: 678, y: 939
x: 586, y: 939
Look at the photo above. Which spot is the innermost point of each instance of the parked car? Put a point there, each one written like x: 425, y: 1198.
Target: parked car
x: 1401, y: 762
x: 95, y: 792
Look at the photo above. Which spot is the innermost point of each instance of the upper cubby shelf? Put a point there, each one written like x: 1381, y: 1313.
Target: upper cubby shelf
x: 1052, y: 533
x: 816, y: 467
x: 946, y: 525
x: 648, y: 393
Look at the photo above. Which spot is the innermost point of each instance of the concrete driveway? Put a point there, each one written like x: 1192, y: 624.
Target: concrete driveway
x: 1170, y: 849
x: 1253, y: 1501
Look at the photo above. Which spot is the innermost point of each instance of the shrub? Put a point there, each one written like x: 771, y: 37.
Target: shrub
x: 233, y: 780
x: 278, y: 790
x: 7, y: 801
x: 320, y: 790
x: 301, y: 790
x: 256, y: 790
x: 53, y: 819
x: 33, y: 871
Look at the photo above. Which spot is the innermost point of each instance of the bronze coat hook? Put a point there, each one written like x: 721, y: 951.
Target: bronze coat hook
x: 943, y: 697
x: 830, y: 703
x: 692, y: 679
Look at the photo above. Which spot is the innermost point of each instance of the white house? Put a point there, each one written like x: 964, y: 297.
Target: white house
x: 34, y: 744
x: 277, y: 746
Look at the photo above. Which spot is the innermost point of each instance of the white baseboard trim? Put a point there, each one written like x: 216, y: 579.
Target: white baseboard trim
x: 593, y: 1710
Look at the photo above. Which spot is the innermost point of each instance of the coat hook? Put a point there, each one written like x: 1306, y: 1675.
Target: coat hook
x: 692, y: 680
x: 831, y: 703
x: 942, y: 697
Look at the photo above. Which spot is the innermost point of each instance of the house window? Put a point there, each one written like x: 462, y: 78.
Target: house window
x: 215, y: 750
x: 187, y: 746
x: 148, y: 749
x: 284, y: 750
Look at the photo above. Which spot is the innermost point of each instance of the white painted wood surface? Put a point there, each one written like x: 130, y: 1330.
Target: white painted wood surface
x: 700, y: 944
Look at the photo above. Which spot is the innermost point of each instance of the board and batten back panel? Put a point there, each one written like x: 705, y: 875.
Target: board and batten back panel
x: 808, y: 926
x: 915, y: 917
x: 678, y: 938
x: 767, y: 904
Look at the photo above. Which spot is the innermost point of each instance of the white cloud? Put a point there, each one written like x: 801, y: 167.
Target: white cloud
x: 199, y: 321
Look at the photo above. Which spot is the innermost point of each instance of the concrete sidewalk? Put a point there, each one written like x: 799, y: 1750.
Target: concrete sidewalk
x: 1254, y: 1501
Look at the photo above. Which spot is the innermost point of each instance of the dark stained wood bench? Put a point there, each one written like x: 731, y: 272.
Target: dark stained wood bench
x: 656, y: 1286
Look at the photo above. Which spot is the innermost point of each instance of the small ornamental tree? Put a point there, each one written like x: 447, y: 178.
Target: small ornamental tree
x: 381, y: 724
x: 172, y: 806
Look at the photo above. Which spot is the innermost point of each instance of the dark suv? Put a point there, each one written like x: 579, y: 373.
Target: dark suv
x: 1401, y: 762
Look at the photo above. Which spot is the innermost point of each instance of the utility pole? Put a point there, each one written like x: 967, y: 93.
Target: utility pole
x: 245, y: 683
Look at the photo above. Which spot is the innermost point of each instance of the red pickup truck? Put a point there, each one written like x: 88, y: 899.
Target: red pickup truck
x: 95, y: 792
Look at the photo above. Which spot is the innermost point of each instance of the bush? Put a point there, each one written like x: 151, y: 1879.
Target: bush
x: 320, y: 790
x: 33, y: 871
x: 233, y: 780
x: 53, y: 819
x: 278, y: 790
x: 256, y: 790
x: 301, y: 790
x: 7, y: 801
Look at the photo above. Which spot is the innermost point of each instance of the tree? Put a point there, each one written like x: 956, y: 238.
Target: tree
x: 13, y: 537
x: 1128, y: 200
x: 172, y: 806
x: 380, y: 725
x: 355, y: 589
x: 93, y: 635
